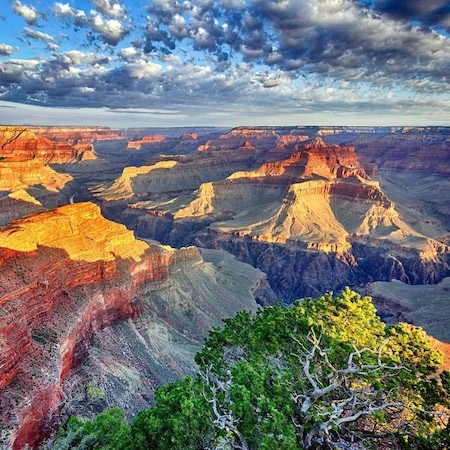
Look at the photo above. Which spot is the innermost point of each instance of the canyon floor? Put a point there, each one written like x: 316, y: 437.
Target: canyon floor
x: 120, y: 249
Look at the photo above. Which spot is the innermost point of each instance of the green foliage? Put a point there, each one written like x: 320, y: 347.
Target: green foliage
x: 94, y: 393
x: 109, y: 431
x: 316, y: 375
x: 181, y: 421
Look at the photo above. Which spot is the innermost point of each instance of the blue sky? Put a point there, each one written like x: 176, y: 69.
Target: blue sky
x: 227, y: 62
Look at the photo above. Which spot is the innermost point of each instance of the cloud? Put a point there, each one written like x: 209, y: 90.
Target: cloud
x: 430, y: 12
x: 14, y: 71
x: 110, y: 8
x: 143, y: 69
x: 29, y: 13
x: 112, y: 31
x: 269, y: 55
x: 6, y: 50
x: 38, y: 35
x: 64, y: 10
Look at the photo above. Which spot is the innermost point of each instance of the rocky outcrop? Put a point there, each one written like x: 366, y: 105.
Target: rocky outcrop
x: 146, y: 140
x: 18, y: 204
x: 64, y: 275
x: 22, y: 144
x: 15, y: 175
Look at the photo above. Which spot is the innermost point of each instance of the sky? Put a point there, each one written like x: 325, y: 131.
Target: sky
x: 125, y: 63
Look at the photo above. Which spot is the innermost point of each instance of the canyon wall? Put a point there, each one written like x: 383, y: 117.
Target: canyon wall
x: 66, y: 274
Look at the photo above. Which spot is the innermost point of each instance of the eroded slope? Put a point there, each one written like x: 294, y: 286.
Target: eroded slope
x: 65, y: 274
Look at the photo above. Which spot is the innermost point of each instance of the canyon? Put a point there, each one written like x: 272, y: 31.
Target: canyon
x: 121, y: 249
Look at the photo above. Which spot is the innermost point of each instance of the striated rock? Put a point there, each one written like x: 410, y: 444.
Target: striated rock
x: 15, y: 175
x: 68, y: 273
x: 85, y: 152
x: 310, y: 196
x: 22, y: 144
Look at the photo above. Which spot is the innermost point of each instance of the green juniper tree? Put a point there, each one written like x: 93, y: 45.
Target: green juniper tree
x: 321, y: 374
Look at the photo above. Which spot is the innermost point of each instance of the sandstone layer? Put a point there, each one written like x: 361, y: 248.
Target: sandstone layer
x: 68, y: 273
x: 23, y: 144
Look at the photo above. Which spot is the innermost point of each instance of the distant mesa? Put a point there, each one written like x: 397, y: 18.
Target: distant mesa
x: 74, y: 135
x: 146, y: 140
x: 23, y: 144
x: 193, y: 136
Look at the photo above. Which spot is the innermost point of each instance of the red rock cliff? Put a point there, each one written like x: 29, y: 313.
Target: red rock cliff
x: 64, y: 274
x: 23, y: 144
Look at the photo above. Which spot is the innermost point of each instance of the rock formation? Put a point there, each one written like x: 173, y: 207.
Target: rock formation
x: 23, y: 144
x: 68, y: 273
x: 83, y: 302
x: 146, y: 140
x: 311, y: 202
x: 16, y: 175
x: 74, y: 135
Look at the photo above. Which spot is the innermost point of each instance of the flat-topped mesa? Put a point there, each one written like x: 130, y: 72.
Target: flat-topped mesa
x: 248, y: 132
x: 136, y: 180
x: 74, y: 135
x: 288, y: 139
x: 22, y: 144
x: 78, y: 229
x: 146, y: 140
x: 312, y: 160
x: 64, y: 274
x: 237, y: 139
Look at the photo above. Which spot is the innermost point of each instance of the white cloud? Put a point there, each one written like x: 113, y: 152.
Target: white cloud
x: 128, y: 52
x: 29, y: 13
x: 112, y: 30
x: 110, y: 8
x: 6, y: 50
x: 38, y: 35
x: 143, y: 69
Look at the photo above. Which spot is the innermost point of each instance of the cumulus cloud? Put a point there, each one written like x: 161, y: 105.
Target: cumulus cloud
x: 64, y: 10
x: 29, y: 13
x: 6, y: 50
x: 112, y: 30
x: 270, y: 54
x: 110, y: 8
x: 143, y: 69
x: 430, y: 12
x: 38, y: 35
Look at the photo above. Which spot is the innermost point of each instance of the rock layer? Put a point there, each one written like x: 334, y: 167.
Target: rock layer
x: 66, y: 274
